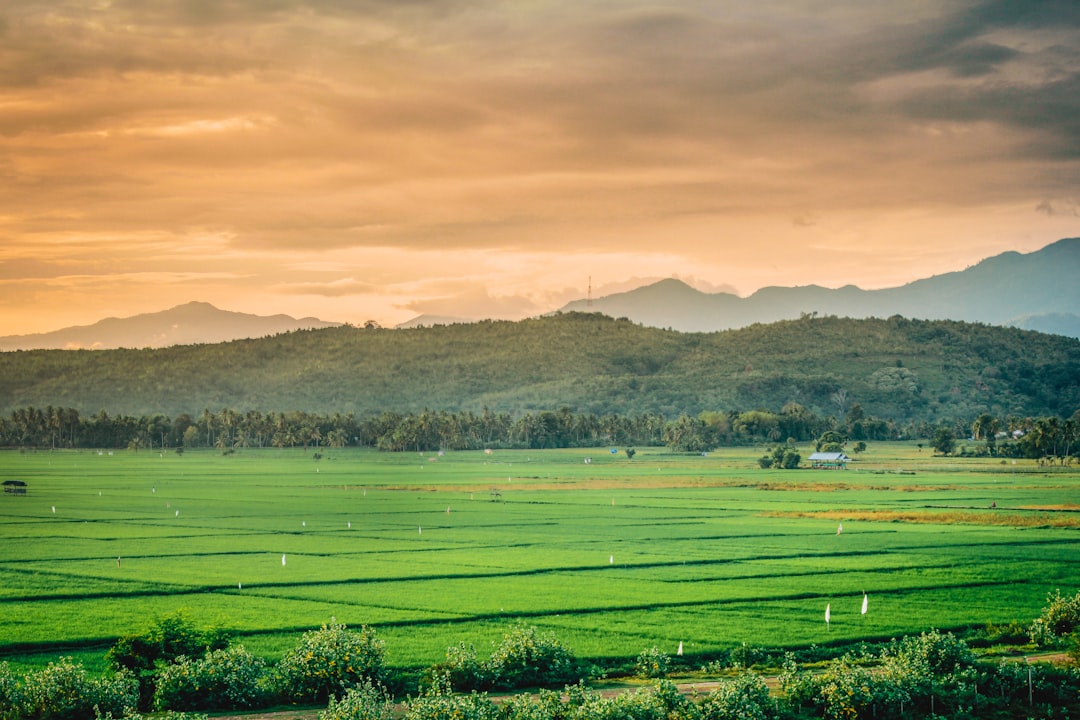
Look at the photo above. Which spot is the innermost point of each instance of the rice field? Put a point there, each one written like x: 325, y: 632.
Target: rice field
x: 614, y: 555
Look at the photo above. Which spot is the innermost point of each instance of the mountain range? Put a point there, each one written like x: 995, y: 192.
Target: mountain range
x: 1034, y: 291
x: 191, y: 323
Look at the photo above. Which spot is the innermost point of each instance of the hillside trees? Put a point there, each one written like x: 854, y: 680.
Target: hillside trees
x: 909, y: 371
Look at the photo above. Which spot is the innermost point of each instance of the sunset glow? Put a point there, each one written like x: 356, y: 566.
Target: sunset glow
x: 383, y: 159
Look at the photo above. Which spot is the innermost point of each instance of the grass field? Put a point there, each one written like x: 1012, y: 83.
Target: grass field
x: 615, y: 555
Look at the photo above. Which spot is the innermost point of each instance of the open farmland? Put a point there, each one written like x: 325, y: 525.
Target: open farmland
x: 614, y: 555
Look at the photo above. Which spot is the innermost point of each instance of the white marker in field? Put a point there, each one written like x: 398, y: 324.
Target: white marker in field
x: 840, y: 528
x: 679, y: 651
x: 349, y: 524
x: 303, y: 523
x: 54, y: 509
x: 239, y: 586
x: 282, y: 559
x: 865, y: 603
x: 611, y: 560
x: 828, y: 614
x: 419, y: 530
x: 177, y: 514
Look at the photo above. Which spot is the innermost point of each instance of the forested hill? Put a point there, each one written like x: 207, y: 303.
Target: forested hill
x: 894, y: 368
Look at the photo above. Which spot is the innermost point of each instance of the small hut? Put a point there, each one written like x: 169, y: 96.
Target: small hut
x: 829, y: 461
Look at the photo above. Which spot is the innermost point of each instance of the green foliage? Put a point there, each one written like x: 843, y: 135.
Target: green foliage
x: 585, y: 362
x: 783, y: 457
x: 527, y: 657
x: 439, y: 702
x: 463, y: 668
x: 944, y: 440
x: 329, y: 661
x: 745, y: 697
x: 652, y: 663
x: 663, y: 701
x: 64, y: 690
x: 690, y: 434
x: 170, y: 637
x: 228, y: 679
x: 1059, y: 618
x: 746, y: 656
x: 10, y: 693
x: 366, y: 701
x: 845, y: 691
x: 170, y: 715
x: 927, y: 655
x: 830, y: 441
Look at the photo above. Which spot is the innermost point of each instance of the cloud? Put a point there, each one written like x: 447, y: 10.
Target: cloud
x: 713, y: 137
x: 345, y: 287
x: 477, y: 304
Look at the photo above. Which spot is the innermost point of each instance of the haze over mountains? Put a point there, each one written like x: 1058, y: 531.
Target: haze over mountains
x: 1034, y: 291
x: 191, y: 323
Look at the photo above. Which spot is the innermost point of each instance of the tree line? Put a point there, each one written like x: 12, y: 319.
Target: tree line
x: 429, y: 430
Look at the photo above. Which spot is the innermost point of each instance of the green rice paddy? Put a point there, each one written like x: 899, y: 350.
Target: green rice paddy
x: 614, y: 555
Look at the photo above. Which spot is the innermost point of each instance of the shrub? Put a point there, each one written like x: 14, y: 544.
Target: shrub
x: 169, y: 638
x: 463, y: 669
x: 844, y: 691
x: 652, y: 663
x: 747, y: 696
x: 1060, y: 617
x: 440, y: 703
x: 547, y: 705
x: 329, y: 661
x: 662, y: 701
x: 746, y: 656
x: 365, y: 701
x: 229, y: 679
x: 170, y: 715
x: 10, y: 693
x: 927, y: 655
x: 528, y: 658
x: 65, y: 690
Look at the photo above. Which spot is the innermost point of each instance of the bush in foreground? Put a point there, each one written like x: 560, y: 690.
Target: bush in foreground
x: 439, y: 702
x: 329, y: 661
x: 229, y: 679
x: 529, y: 658
x: 1060, y: 617
x: 365, y: 701
x: 744, y: 698
x: 169, y: 638
x: 64, y: 690
x: 652, y: 663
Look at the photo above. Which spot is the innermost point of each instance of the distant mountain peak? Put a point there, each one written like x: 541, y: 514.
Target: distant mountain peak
x: 191, y: 323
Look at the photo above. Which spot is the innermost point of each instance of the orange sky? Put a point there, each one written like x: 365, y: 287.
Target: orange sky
x: 378, y: 159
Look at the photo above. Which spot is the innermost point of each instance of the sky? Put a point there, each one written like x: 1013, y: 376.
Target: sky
x: 362, y: 160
